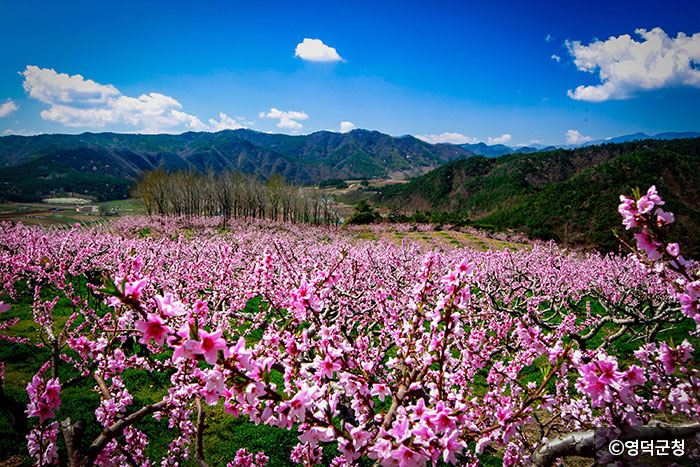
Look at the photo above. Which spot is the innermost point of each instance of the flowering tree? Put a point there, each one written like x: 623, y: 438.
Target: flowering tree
x: 391, y: 353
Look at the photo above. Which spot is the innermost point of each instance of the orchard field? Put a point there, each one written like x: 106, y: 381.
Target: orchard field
x: 168, y: 341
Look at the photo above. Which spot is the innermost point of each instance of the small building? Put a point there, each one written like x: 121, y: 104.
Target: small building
x: 89, y: 210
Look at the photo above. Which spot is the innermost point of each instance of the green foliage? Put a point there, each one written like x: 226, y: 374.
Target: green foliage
x: 570, y: 196
x: 337, y: 183
x: 39, y: 178
x: 306, y: 159
x: 364, y: 214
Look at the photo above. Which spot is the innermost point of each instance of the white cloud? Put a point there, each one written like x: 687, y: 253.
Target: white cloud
x: 7, y: 108
x: 452, y: 138
x: 575, y: 137
x: 78, y: 102
x: 549, y: 38
x: 19, y: 132
x: 626, y: 66
x: 316, y: 51
x: 532, y: 141
x: 346, y: 126
x: 556, y: 58
x: 287, y: 119
x: 50, y: 87
x: 227, y: 123
x: 503, y: 139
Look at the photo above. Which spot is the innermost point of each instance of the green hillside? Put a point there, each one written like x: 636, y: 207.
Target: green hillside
x: 303, y: 159
x: 41, y: 177
x: 567, y: 195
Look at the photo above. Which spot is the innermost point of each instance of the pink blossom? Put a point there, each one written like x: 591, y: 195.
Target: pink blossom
x: 327, y: 366
x: 597, y: 377
x: 210, y: 344
x: 635, y: 376
x: 451, y: 446
x: 298, y: 404
x: 187, y: 348
x: 407, y: 457
x: 153, y: 328
x: 664, y: 218
x: 382, y: 390
x: 482, y: 444
x: 503, y: 414
x: 673, y: 249
x: 628, y: 210
x: 667, y: 358
x: 653, y: 196
x: 466, y: 267
x: 239, y: 354
x: 442, y: 419
x: 132, y: 290
x: 645, y: 205
x: 653, y: 249
x: 169, y: 305
x: 214, y: 385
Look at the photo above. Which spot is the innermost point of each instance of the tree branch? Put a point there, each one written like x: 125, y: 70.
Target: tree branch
x: 117, y: 429
x: 199, y: 449
x: 582, y: 443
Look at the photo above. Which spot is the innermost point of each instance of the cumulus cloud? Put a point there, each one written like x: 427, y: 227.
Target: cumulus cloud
x: 549, y: 38
x: 315, y: 50
x: 78, y: 102
x: 346, y: 126
x: 556, y: 58
x: 7, y: 108
x: 452, y: 138
x: 503, y: 139
x: 626, y: 66
x: 287, y: 119
x: 227, y: 123
x: 575, y: 137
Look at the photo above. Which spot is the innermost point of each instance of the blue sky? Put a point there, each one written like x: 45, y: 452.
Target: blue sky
x: 445, y: 71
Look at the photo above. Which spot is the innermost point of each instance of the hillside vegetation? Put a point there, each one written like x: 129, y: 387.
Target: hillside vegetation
x: 306, y: 159
x: 567, y: 195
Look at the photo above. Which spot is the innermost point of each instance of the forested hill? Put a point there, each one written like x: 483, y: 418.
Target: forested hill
x: 567, y: 195
x: 57, y: 159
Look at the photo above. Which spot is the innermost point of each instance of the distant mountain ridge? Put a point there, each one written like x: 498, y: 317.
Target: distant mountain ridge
x: 105, y: 164
x: 496, y: 150
x: 641, y: 136
x: 300, y: 159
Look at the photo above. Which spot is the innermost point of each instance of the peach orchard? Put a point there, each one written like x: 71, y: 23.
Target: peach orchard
x: 399, y: 355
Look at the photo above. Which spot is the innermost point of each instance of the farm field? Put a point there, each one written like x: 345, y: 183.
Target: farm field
x: 288, y: 344
x: 62, y: 213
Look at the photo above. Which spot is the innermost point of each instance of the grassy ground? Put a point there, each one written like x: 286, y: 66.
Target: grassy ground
x: 57, y: 214
x: 443, y: 239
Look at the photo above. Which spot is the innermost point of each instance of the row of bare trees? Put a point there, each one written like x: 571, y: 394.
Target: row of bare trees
x: 233, y: 195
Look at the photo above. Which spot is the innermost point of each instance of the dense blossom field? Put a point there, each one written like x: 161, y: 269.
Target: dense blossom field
x: 369, y: 351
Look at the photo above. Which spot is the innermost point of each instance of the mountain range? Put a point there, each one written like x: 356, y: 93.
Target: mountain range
x: 32, y: 166
x: 104, y: 165
x: 495, y: 150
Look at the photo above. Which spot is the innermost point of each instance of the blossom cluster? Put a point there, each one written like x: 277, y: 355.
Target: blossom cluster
x: 404, y: 354
x: 44, y: 398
